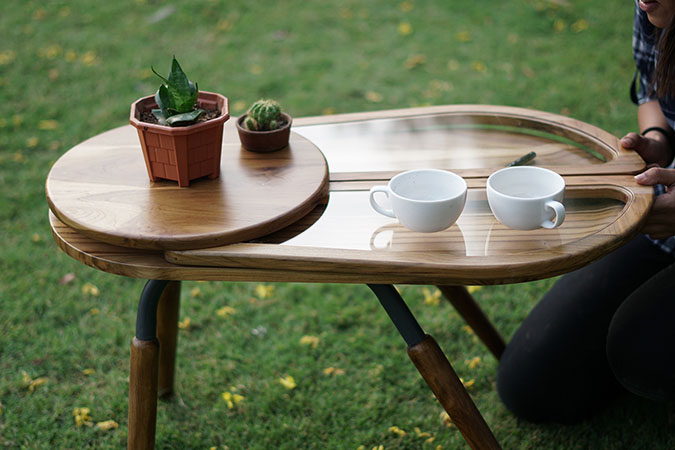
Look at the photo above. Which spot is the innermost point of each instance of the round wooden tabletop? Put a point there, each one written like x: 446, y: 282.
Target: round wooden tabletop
x: 101, y: 189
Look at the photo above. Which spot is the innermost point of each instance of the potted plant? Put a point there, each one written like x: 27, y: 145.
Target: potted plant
x: 180, y: 129
x: 264, y: 127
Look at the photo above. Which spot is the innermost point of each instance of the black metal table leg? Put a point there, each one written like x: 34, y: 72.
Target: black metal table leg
x: 436, y: 370
x: 144, y: 368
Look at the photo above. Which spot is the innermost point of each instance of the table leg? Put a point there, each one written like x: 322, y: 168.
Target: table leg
x: 437, y: 371
x: 167, y: 332
x: 144, y: 368
x: 468, y: 308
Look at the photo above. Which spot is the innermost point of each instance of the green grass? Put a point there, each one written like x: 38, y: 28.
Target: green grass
x: 69, y: 70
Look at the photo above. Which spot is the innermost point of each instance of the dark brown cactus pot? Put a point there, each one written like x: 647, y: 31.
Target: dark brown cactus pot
x: 264, y: 141
x: 182, y: 154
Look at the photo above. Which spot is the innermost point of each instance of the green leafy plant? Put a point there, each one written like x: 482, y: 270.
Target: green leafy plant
x: 263, y: 115
x: 176, y: 98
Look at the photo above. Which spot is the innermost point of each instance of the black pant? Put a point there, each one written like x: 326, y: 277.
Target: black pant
x: 599, y: 331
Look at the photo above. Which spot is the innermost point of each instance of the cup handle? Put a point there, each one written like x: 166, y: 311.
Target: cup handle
x: 559, y: 210
x: 376, y: 206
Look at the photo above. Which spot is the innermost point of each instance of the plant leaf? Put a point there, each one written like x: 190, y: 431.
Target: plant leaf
x: 160, y: 116
x: 184, y: 118
x: 179, y: 88
x: 155, y: 72
x: 178, y: 78
x: 163, y: 99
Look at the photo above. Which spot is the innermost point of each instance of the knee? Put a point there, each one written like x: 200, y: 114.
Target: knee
x: 641, y: 358
x: 528, y: 390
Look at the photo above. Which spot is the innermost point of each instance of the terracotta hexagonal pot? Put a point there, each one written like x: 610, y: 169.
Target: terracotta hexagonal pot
x: 264, y: 141
x: 182, y: 154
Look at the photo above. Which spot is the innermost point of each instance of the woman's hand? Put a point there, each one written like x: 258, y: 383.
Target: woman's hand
x: 653, y: 147
x: 661, y: 220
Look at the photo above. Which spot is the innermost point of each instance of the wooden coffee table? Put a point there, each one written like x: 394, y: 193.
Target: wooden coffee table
x: 302, y: 215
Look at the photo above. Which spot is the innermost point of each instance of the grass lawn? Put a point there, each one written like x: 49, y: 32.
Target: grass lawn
x: 70, y: 69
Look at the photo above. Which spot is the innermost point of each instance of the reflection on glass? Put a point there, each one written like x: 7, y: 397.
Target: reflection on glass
x: 349, y: 223
x: 440, y: 141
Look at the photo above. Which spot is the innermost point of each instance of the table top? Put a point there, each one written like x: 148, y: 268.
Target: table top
x: 101, y: 188
x: 343, y: 240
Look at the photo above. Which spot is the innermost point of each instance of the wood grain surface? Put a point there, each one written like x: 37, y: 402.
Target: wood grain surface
x: 343, y: 240
x: 349, y: 237
x: 101, y: 189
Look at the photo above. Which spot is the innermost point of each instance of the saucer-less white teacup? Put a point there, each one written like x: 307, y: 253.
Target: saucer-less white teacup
x: 424, y: 200
x: 526, y: 198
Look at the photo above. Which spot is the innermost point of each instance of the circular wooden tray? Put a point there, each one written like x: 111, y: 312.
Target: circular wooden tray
x: 101, y: 188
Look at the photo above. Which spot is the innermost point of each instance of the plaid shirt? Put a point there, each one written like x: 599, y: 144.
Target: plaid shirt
x: 645, y: 52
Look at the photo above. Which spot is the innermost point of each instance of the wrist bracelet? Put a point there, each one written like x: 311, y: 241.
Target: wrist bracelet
x: 669, y: 139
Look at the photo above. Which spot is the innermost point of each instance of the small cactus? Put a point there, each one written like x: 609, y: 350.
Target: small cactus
x: 263, y: 115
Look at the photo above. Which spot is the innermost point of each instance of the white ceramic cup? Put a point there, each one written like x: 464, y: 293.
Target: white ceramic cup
x: 424, y: 200
x: 527, y: 198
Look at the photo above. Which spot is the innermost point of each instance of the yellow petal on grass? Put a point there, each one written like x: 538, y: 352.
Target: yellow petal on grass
x: 468, y: 384
x: 36, y: 237
x: 559, y: 26
x: 195, y: 292
x: 48, y: 125
x: 31, y: 383
x: 473, y: 362
x: 50, y: 52
x: 7, y: 57
x: 333, y: 371
x: 90, y: 289
x: 579, y: 26
x: 310, y: 340
x: 107, y: 425
x: 36, y: 383
x: 86, y: 372
x: 89, y: 58
x: 404, y: 29
x: 288, y: 382
x: 445, y: 419
x: 406, y: 6
x: 462, y: 36
x: 184, y: 324
x: 478, y: 66
x: 82, y: 417
x: 231, y: 399
x: 255, y: 69
x: 421, y: 434
x: 328, y: 111
x: 225, y: 311
x: 224, y: 25
x: 472, y: 289
x: 94, y: 311
x: 397, y: 430
x: 18, y: 157
x: 468, y: 330
x: 264, y: 291
x: 374, y: 97
x: 415, y: 61
x: 39, y: 14
x: 431, y: 298
x: 32, y: 142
